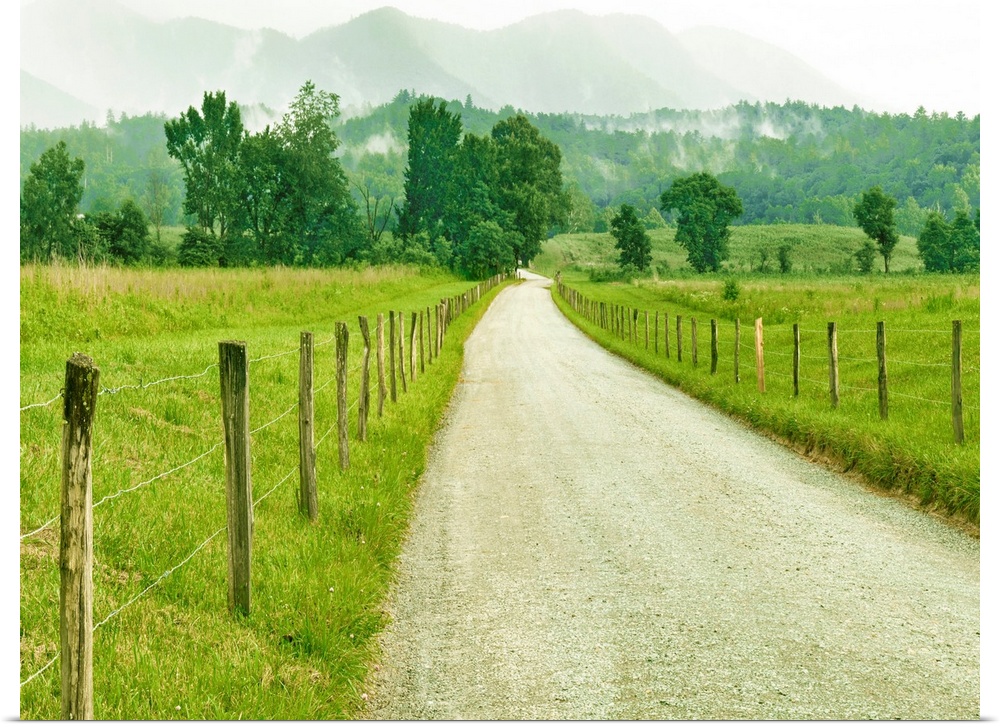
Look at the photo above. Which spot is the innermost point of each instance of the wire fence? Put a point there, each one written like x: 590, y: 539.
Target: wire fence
x: 446, y: 311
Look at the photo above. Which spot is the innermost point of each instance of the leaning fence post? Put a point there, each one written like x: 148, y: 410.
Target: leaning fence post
x: 796, y: 358
x: 421, y: 336
x: 883, y: 379
x: 402, y: 353
x: 413, y: 351
x: 957, y: 422
x: 234, y: 377
x: 363, y: 396
x: 758, y: 340
x: 76, y: 542
x: 831, y: 337
x: 380, y: 360
x: 341, y: 332
x: 308, y: 503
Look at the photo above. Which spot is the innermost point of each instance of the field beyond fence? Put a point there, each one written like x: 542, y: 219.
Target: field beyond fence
x: 228, y: 523
x: 892, y: 395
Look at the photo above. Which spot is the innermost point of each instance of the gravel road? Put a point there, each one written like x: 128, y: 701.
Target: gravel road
x: 589, y: 543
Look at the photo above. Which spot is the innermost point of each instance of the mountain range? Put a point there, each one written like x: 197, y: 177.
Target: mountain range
x: 81, y: 59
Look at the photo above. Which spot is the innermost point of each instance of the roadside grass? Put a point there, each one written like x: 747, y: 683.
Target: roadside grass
x: 912, y: 453
x: 174, y: 651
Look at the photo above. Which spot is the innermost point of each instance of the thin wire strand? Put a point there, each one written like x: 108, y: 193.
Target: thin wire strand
x: 278, y: 418
x: 42, y: 670
x: 43, y: 403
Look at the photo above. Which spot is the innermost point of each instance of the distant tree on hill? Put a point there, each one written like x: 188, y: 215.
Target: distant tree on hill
x: 631, y: 239
x: 874, y: 214
x: 964, y: 240
x: 50, y: 200
x: 705, y: 208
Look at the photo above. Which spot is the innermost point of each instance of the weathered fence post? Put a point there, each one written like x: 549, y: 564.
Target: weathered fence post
x: 234, y: 376
x: 758, y: 340
x: 736, y: 353
x: 380, y: 360
x: 694, y: 342
x: 656, y: 333
x: 341, y: 332
x: 308, y: 503
x: 679, y: 346
x: 421, y: 342
x: 957, y: 422
x: 647, y: 329
x: 666, y: 334
x: 392, y: 355
x: 76, y: 541
x: 715, y: 345
x: 831, y: 339
x: 883, y: 378
x: 402, y: 353
x: 430, y: 346
x: 363, y: 396
x: 796, y: 358
x: 413, y: 350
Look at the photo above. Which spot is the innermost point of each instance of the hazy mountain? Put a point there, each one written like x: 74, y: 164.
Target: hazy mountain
x: 87, y: 55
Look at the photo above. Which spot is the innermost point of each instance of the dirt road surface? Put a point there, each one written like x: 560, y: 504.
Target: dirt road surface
x: 589, y: 543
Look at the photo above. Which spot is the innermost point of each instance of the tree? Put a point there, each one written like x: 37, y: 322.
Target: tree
x: 933, y: 244
x: 705, y: 208
x: 487, y: 250
x: 530, y: 186
x: 964, y: 241
x: 865, y: 255
x: 428, y: 182
x: 874, y: 214
x: 125, y: 233
x: 631, y: 239
x: 207, y: 145
x: 50, y: 199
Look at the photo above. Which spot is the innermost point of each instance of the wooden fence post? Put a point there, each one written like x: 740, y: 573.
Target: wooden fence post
x: 957, y: 422
x: 341, y: 332
x: 883, y: 379
x: 831, y: 338
x: 308, y: 502
x: 234, y: 376
x: 363, y: 396
x: 413, y: 350
x: 402, y: 352
x: 421, y: 342
x: 380, y: 360
x: 758, y: 340
x: 392, y: 356
x: 736, y: 353
x: 647, y: 329
x: 666, y: 334
x: 656, y: 333
x: 796, y: 358
x: 679, y: 346
x: 76, y: 541
x: 694, y: 342
x: 715, y: 345
x: 430, y: 346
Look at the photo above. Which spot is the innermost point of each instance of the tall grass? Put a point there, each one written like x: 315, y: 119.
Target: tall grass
x: 175, y: 651
x: 912, y: 453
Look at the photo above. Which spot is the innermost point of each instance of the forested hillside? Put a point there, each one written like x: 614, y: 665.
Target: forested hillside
x: 791, y: 162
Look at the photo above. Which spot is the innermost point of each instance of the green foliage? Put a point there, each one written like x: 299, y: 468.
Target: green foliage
x: 934, y: 244
x: 199, y: 248
x: 49, y: 202
x: 865, y: 255
x: 873, y: 213
x: 488, y: 250
x: 125, y: 233
x: 706, y: 208
x: 631, y: 239
x: 785, y: 258
x: 730, y: 290
x: 964, y: 242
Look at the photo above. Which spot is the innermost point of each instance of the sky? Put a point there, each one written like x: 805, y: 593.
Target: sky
x: 906, y: 54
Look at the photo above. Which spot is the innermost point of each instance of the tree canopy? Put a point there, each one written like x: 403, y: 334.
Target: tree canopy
x: 50, y: 201
x: 873, y: 213
x: 705, y: 209
x: 634, y: 245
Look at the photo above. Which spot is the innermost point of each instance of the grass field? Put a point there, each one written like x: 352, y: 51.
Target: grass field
x: 174, y: 650
x: 912, y: 453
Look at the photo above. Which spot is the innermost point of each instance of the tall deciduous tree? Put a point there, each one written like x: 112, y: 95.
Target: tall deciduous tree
x: 207, y: 145
x: 635, y: 248
x: 705, y: 209
x: 874, y: 214
x: 530, y: 185
x: 434, y: 134
x: 933, y: 244
x: 50, y: 200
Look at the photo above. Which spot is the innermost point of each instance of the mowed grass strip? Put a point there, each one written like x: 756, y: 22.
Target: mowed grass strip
x: 912, y: 453
x: 174, y: 650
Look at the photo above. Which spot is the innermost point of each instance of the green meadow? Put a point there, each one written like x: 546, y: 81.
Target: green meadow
x: 165, y: 643
x: 912, y: 453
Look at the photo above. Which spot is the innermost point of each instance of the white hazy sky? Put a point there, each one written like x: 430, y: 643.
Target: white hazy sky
x: 904, y: 53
